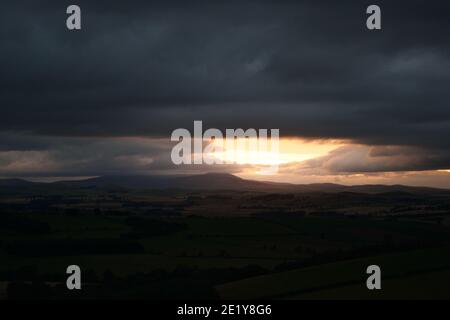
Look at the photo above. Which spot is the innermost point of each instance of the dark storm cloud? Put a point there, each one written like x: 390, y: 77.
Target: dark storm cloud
x: 145, y: 68
x: 361, y: 158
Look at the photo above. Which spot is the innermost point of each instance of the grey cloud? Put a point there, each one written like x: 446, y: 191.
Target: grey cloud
x: 145, y: 68
x: 367, y: 159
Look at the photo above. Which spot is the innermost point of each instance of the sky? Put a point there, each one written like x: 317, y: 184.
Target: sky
x: 353, y: 106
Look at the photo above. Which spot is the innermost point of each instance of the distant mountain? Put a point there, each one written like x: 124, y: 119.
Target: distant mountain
x: 15, y: 183
x: 217, y: 181
x: 379, y: 188
x: 130, y: 182
x: 368, y: 189
x: 209, y: 181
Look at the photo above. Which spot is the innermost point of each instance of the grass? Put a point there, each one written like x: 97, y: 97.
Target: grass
x: 431, y: 285
x: 339, y: 274
x: 123, y: 265
x: 235, y: 242
x: 3, y: 287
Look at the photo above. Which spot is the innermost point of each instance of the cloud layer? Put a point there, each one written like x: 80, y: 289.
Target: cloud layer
x: 145, y: 68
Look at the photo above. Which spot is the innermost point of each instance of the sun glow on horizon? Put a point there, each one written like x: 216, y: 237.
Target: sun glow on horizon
x: 289, y: 150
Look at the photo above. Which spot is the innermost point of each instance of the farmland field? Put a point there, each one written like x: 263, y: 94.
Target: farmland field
x: 151, y: 242
x: 346, y: 279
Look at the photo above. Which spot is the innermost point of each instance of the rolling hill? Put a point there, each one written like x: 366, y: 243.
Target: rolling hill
x: 217, y: 181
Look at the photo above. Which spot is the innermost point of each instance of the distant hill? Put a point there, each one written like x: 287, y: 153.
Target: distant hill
x: 15, y: 183
x: 216, y: 181
x: 222, y: 181
x: 130, y: 182
x: 209, y: 181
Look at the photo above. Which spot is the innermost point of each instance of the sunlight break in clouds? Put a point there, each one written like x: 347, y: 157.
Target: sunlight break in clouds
x: 290, y: 151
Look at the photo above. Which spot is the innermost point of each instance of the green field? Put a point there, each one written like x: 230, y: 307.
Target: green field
x: 323, y: 256
x: 431, y: 285
x: 3, y: 286
x: 346, y: 279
